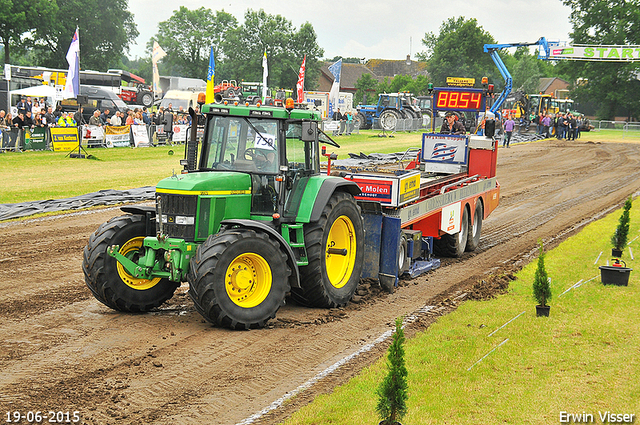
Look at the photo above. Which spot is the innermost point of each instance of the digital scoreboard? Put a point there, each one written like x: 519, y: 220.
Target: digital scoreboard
x: 459, y: 99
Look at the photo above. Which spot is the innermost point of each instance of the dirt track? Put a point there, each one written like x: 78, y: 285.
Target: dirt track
x: 61, y: 350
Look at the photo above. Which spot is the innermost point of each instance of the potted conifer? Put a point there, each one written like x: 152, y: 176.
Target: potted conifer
x: 392, y: 393
x: 541, y: 286
x: 619, y: 237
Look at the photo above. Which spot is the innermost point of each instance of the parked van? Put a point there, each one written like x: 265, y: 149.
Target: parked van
x: 178, y: 98
x: 96, y: 98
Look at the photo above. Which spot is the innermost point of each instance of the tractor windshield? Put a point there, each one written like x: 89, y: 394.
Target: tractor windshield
x: 241, y: 144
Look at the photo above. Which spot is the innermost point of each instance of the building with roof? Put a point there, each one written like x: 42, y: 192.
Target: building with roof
x: 554, y: 86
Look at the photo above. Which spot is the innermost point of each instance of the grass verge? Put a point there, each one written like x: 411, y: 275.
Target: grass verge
x: 584, y: 358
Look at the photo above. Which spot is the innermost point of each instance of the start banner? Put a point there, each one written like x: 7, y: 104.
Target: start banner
x: 64, y: 139
x: 601, y: 53
x: 118, y: 136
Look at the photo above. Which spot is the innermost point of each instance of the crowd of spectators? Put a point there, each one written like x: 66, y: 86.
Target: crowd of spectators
x: 563, y: 126
x: 37, y: 113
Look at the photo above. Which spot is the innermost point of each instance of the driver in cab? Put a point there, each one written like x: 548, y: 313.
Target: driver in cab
x: 452, y: 125
x: 265, y: 150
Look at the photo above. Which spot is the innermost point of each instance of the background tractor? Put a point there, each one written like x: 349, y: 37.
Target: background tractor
x: 390, y: 108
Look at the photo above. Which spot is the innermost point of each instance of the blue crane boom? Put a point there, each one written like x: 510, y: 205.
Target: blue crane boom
x: 493, y: 49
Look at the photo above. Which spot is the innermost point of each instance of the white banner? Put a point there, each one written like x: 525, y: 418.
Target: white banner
x: 140, y: 135
x: 179, y: 133
x: 93, y: 134
x: 118, y: 136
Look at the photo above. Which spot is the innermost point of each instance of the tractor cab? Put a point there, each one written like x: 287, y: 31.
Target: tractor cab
x: 279, y: 152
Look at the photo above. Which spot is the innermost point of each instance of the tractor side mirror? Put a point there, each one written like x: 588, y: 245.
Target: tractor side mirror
x: 309, y: 131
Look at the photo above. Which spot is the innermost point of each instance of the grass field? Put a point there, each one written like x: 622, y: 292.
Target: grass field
x: 584, y: 358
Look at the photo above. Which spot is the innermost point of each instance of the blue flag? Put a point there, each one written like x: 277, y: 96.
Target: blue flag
x: 336, y: 70
x: 210, y: 94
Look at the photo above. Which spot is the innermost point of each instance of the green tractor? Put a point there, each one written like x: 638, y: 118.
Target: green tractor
x: 249, y: 221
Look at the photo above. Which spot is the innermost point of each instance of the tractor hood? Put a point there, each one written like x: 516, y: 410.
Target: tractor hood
x: 207, y: 183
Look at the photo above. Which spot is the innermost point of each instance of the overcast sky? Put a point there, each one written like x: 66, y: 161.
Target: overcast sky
x: 381, y: 29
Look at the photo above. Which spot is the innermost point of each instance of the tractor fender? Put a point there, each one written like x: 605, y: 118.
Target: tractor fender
x: 260, y: 226
x: 149, y: 214
x: 329, y: 186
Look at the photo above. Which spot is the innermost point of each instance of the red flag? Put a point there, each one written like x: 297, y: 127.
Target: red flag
x: 300, y: 84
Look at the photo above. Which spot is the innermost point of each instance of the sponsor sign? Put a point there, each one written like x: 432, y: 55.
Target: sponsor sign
x: 64, y: 139
x: 461, y: 82
x: 118, y: 136
x: 441, y: 148
x: 386, y: 189
x: 179, y: 133
x: 450, y: 218
x: 35, y: 139
x: 140, y: 135
x: 93, y: 134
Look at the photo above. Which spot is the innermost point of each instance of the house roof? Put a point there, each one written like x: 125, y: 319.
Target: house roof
x: 546, y: 82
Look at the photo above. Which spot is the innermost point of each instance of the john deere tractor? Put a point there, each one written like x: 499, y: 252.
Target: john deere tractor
x: 248, y: 221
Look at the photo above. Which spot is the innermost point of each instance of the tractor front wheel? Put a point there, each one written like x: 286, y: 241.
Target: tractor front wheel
x: 389, y: 119
x: 238, y: 279
x: 108, y: 280
x: 335, y: 250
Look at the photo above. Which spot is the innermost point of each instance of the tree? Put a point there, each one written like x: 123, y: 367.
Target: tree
x: 245, y: 46
x: 187, y: 37
x: 621, y: 234
x: 541, y: 287
x: 610, y: 85
x: 20, y: 17
x: 106, y: 30
x: 365, y: 88
x: 457, y: 51
x: 392, y: 393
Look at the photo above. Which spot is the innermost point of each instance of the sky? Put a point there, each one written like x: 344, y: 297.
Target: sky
x: 376, y: 29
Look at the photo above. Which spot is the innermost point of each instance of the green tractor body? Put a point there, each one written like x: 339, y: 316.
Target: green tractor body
x: 252, y: 221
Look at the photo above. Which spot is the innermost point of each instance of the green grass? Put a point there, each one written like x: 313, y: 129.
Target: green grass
x: 583, y: 358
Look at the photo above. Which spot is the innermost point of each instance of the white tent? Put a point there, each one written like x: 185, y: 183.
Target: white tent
x: 37, y: 91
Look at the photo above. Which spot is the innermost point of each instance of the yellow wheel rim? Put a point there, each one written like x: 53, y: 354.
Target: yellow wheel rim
x: 129, y: 250
x: 248, y: 280
x: 341, y: 237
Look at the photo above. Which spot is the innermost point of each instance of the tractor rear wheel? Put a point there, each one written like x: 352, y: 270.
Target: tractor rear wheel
x: 238, y: 279
x: 475, y: 229
x: 389, y: 119
x: 109, y: 282
x: 146, y: 98
x: 335, y: 250
x: 453, y: 245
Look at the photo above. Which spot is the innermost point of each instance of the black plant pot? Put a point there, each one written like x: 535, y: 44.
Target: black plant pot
x: 394, y: 423
x: 542, y: 310
x: 616, y: 252
x: 613, y: 275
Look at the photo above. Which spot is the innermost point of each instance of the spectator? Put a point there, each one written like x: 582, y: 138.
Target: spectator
x: 49, y: 119
x: 170, y: 108
x: 29, y: 104
x: 129, y: 119
x: 37, y: 121
x: 145, y: 116
x: 28, y: 120
x: 546, y: 122
x: 19, y: 120
x: 3, y: 120
x: 137, y: 118
x: 573, y: 128
x: 58, y: 112
x: 115, y: 119
x: 78, y: 118
x: 21, y: 106
x: 104, y: 117
x: 95, y: 118
x: 509, y: 125
x: 35, y: 109
x: 337, y: 116
x: 168, y: 123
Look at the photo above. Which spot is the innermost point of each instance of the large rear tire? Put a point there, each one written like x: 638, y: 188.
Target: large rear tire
x: 238, y: 279
x: 475, y: 229
x: 453, y: 245
x: 109, y: 281
x: 389, y: 119
x: 331, y: 278
x: 146, y: 98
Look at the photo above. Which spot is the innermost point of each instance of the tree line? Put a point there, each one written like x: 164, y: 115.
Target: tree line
x: 38, y: 32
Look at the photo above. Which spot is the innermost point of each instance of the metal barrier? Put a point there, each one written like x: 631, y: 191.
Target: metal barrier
x: 402, y: 124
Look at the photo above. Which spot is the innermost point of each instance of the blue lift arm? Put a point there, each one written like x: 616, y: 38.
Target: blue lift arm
x: 493, y: 50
